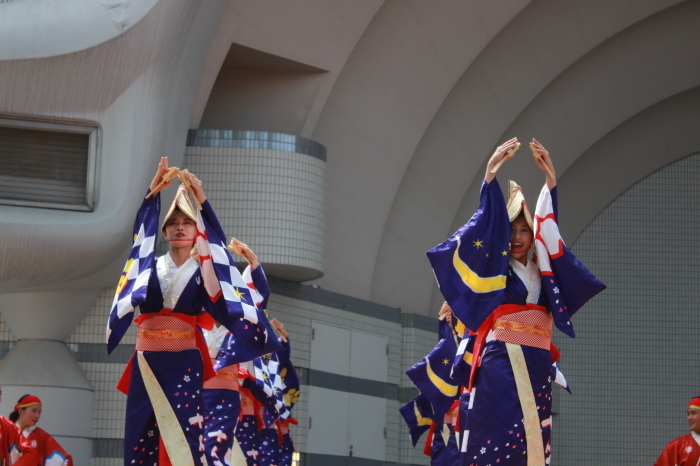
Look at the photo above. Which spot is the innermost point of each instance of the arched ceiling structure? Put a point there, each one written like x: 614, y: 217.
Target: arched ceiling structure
x: 413, y: 96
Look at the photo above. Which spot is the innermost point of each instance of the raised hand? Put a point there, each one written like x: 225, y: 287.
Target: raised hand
x: 163, y: 178
x: 445, y: 313
x: 197, y: 187
x: 542, y: 159
x: 242, y: 249
x: 279, y: 326
x: 500, y: 155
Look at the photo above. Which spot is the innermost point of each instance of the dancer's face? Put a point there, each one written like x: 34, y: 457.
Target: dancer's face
x: 694, y: 420
x: 520, y: 240
x: 180, y: 230
x: 29, y: 416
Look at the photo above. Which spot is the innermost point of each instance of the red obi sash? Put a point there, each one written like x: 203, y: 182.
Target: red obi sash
x: 488, y: 324
x: 205, y: 321
x: 226, y: 378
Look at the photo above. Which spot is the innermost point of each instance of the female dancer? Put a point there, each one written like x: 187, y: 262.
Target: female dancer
x: 494, y: 287
x: 15, y: 449
x: 222, y: 400
x: 164, y: 380
x: 48, y: 451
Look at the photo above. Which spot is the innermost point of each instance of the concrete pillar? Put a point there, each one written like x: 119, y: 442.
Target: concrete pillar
x: 40, y: 363
x: 268, y: 190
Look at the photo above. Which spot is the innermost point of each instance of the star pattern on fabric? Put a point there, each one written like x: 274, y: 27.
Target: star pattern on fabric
x: 445, y: 361
x: 479, y: 243
x: 239, y: 293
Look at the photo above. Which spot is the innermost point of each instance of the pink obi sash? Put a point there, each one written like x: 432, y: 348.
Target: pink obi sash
x: 529, y: 325
x: 165, y: 333
x: 530, y: 328
x: 166, y: 330
x: 226, y: 378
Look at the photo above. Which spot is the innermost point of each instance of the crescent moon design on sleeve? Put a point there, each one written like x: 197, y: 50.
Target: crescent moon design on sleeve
x: 472, y: 279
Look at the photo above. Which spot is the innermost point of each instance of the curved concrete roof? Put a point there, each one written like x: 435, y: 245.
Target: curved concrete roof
x: 415, y: 107
x: 411, y: 97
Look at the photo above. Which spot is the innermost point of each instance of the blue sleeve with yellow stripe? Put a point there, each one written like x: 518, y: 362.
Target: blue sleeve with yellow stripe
x: 471, y: 265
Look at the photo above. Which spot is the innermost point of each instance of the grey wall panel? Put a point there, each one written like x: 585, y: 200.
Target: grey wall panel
x: 328, y: 431
x: 633, y: 365
x: 368, y: 359
x: 330, y: 348
x: 366, y: 426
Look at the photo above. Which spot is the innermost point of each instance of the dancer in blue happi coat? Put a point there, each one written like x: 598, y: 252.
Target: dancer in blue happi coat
x: 268, y: 394
x: 435, y: 409
x: 441, y: 444
x: 287, y: 445
x: 222, y: 400
x: 485, y: 274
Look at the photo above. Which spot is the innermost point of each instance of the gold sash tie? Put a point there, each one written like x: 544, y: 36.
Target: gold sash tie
x: 165, y: 334
x: 523, y: 328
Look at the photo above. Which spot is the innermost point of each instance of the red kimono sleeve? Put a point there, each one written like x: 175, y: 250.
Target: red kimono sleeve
x: 13, y: 443
x: 29, y: 453
x: 50, y: 451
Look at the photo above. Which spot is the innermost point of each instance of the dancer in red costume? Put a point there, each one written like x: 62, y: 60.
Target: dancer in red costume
x: 15, y: 450
x: 685, y: 450
x: 48, y: 451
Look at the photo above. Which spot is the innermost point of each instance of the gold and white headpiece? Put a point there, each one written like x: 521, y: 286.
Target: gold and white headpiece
x: 516, y: 204
x: 182, y: 202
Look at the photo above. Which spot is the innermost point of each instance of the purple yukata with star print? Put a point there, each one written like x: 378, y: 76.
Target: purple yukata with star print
x: 222, y: 400
x: 506, y: 419
x: 167, y: 371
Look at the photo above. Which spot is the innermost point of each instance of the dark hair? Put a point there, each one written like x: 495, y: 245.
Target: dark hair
x: 522, y: 215
x: 14, y: 415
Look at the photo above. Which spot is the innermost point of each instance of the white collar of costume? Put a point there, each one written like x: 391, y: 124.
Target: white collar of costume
x: 530, y: 275
x: 696, y: 437
x: 26, y: 432
x: 173, y: 280
x: 214, y: 339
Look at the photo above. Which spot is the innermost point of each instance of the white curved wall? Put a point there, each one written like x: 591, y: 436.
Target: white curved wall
x: 135, y: 87
x: 269, y: 191
x: 65, y: 27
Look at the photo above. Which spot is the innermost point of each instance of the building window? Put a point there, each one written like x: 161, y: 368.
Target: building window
x: 47, y: 164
